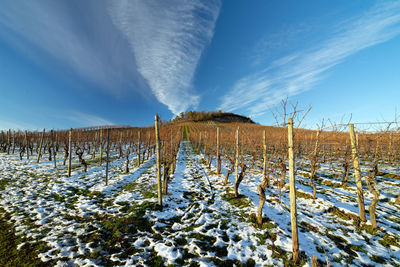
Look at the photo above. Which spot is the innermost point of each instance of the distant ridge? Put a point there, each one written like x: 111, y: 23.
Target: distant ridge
x: 231, y: 117
x: 218, y: 116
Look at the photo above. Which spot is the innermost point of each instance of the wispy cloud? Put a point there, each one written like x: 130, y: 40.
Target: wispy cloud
x: 301, y: 70
x: 77, y: 35
x: 167, y: 39
x: 15, y: 125
x: 116, y: 45
x: 84, y: 119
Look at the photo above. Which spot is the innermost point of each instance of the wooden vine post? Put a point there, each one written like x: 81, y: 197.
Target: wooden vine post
x: 293, y: 212
x: 171, y: 143
x: 54, y: 148
x: 101, y: 146
x: 391, y: 148
x: 8, y: 141
x: 139, y: 148
x: 107, y: 153
x: 40, y: 146
x: 69, y: 152
x: 218, y: 155
x: 13, y: 150
x: 237, y: 154
x: 159, y: 182
x: 26, y: 144
x: 264, y: 183
x: 120, y: 144
x: 94, y: 146
x: 314, y: 163
x: 264, y: 179
x: 172, y: 165
x: 199, y: 148
x: 357, y: 173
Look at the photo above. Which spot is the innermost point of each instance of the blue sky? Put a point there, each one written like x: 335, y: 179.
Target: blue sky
x: 83, y: 63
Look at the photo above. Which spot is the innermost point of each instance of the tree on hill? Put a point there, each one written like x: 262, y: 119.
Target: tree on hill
x: 210, y: 115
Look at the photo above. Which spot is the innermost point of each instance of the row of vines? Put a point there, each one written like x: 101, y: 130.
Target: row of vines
x: 270, y: 151
x: 267, y: 150
x: 78, y: 149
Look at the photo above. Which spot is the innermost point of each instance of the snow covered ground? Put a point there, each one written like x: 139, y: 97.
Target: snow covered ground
x: 81, y: 221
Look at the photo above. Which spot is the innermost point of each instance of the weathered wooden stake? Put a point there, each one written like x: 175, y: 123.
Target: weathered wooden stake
x: 139, y: 144
x: 263, y: 184
x: 101, y: 147
x: 357, y: 173
x: 8, y: 141
x: 265, y: 160
x: 108, y: 153
x: 70, y: 152
x: 218, y: 156
x: 391, y: 148
x: 237, y: 154
x: 13, y: 150
x: 199, y: 142
x: 292, y: 186
x: 314, y: 163
x: 26, y: 144
x: 40, y: 146
x: 159, y: 181
x: 94, y: 146
x: 314, y: 261
x: 120, y: 144
x: 171, y: 144
x: 397, y: 201
x: 54, y: 148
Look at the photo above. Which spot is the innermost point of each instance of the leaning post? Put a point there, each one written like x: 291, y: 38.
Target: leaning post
x: 26, y: 144
x: 53, y: 144
x: 13, y: 150
x: 292, y: 187
x: 70, y: 152
x: 138, y: 151
x: 101, y: 146
x: 357, y: 173
x: 8, y: 141
x: 108, y: 153
x: 159, y: 182
x: 40, y: 146
x: 237, y: 154
x: 264, y: 159
x: 218, y: 155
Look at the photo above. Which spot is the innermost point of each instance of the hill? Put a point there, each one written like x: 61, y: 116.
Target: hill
x: 218, y: 116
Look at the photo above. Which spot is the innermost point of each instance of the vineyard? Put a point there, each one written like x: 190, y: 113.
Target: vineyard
x: 200, y: 194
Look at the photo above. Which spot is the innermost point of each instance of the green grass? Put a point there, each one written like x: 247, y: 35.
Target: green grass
x: 4, y: 182
x: 390, y: 240
x: 344, y: 215
x: 279, y: 253
x: 27, y: 255
x: 389, y: 175
x: 378, y: 259
x: 303, y: 195
x: 114, y: 234
x: 263, y: 237
x: 240, y: 202
x: 155, y: 260
x: 308, y: 227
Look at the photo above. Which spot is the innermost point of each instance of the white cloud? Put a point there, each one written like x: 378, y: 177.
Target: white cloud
x: 86, y: 120
x: 5, y: 125
x: 300, y: 71
x: 74, y: 39
x: 116, y: 45
x: 167, y: 39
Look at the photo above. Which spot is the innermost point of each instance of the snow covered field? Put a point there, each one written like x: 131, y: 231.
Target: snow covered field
x: 69, y: 221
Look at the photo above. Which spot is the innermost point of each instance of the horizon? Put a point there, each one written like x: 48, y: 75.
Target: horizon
x: 73, y: 64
